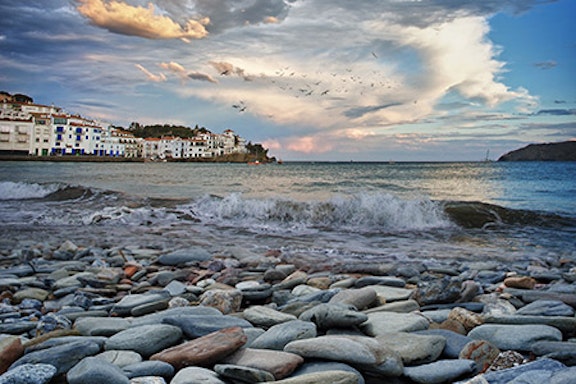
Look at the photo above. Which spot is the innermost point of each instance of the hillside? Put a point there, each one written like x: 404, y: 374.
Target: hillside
x: 563, y: 151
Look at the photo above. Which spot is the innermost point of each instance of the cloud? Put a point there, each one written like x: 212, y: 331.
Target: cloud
x: 181, y: 72
x: 151, y: 77
x: 546, y: 64
x: 119, y: 17
x: 557, y: 112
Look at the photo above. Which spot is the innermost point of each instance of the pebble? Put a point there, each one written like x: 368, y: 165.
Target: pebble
x: 193, y: 315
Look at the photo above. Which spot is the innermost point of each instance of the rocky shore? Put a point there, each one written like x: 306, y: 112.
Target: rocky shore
x: 74, y: 314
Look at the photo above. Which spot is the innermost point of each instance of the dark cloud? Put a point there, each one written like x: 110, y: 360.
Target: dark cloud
x: 546, y: 64
x: 361, y: 111
x: 557, y: 112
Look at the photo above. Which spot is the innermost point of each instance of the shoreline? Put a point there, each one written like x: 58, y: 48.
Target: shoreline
x: 231, y: 313
x: 109, y: 159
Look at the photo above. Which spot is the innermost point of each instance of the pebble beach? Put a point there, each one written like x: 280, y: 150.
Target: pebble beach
x: 75, y: 314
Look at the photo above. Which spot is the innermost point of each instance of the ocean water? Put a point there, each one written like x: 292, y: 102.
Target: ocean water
x: 340, y: 212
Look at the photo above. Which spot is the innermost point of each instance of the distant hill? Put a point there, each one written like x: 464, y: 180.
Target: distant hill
x: 563, y: 151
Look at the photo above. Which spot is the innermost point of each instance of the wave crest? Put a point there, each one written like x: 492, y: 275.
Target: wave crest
x: 21, y: 191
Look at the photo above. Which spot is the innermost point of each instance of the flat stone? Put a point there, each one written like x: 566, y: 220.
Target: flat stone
x: 515, y: 337
x: 158, y: 318
x: 148, y: 380
x: 404, y: 306
x: 360, y: 298
x: 332, y: 377
x: 294, y: 279
x: 145, y: 339
x: 197, y: 326
x: 31, y: 293
x: 185, y: 256
x: 93, y: 370
x: 455, y: 342
x: 565, y: 324
x: 520, y: 282
x: 149, y: 368
x: 63, y: 357
x: 11, y: 349
x: 389, y: 294
x: 355, y: 350
x: 546, y: 308
x: 561, y: 351
x: 443, y: 371
x: 414, y: 349
x: 279, y: 364
x: 120, y: 358
x: 243, y: 374
x: 323, y: 366
x: 327, y: 316
x: 196, y: 375
x: 29, y: 374
x: 266, y: 317
x: 204, y: 351
x: 380, y: 280
x: 565, y: 376
x: 389, y: 322
x: 128, y: 303
x: 101, y: 326
x: 279, y: 335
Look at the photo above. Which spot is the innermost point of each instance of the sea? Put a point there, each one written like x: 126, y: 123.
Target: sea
x: 347, y: 212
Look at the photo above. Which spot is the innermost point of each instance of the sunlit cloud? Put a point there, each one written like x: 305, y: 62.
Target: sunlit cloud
x: 150, y: 76
x: 122, y: 18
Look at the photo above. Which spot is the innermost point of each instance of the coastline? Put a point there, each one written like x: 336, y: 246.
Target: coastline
x: 110, y: 159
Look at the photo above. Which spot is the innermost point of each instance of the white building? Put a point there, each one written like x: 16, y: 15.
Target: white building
x: 75, y: 135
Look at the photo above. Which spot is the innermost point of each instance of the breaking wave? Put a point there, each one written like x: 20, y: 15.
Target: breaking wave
x: 20, y: 191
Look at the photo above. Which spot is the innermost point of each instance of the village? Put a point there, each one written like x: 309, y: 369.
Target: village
x: 41, y: 131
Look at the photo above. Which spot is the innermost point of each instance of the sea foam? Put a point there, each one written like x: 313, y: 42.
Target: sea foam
x: 20, y: 191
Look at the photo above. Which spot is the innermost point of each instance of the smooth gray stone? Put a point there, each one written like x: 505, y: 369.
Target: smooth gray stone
x: 322, y: 366
x: 380, y: 280
x: 546, y: 308
x: 145, y: 339
x: 515, y: 337
x: 175, y: 288
x: 57, y: 341
x: 129, y: 302
x: 197, y: 326
x: 93, y: 370
x: 507, y: 375
x: 405, y: 306
x: 564, y: 376
x: 332, y: 377
x: 391, y: 294
x: 149, y: 368
x: 387, y: 322
x: 243, y: 374
x: 101, y: 326
x: 196, y: 375
x: 120, y: 358
x: 18, y: 327
x: 414, y: 349
x: 279, y: 335
x: 327, y: 316
x: 321, y: 296
x: 29, y: 374
x: 148, y: 308
x: 443, y: 371
x: 251, y: 334
x: 184, y: 256
x: 354, y: 350
x: 265, y: 317
x: 63, y: 357
x: 566, y: 324
x: 158, y: 318
x: 564, y: 352
x: 455, y: 342
x: 360, y: 298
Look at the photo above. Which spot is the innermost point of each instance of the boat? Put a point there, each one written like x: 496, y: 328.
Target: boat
x: 254, y: 162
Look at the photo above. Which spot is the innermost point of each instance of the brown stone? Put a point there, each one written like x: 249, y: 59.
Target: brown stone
x: 454, y: 326
x: 482, y: 352
x: 11, y: 349
x: 467, y: 318
x: 278, y: 363
x: 505, y: 360
x: 320, y: 282
x: 225, y: 300
x: 520, y: 282
x: 204, y: 351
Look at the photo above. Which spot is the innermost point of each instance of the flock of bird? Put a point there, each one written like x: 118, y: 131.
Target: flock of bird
x: 334, y: 85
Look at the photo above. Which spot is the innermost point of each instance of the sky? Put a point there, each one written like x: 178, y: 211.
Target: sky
x: 338, y: 80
